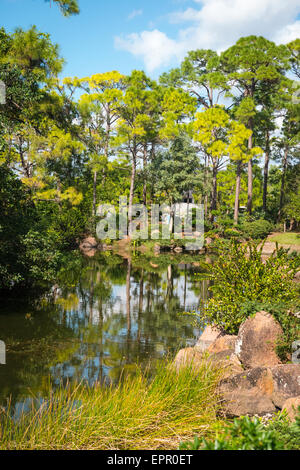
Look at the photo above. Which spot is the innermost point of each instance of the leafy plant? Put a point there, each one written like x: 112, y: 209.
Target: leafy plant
x: 285, y: 431
x: 242, y: 434
x: 257, y: 229
x: 240, y: 275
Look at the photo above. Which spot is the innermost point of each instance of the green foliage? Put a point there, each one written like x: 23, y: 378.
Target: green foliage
x: 242, y: 434
x: 286, y: 432
x: 16, y: 216
x: 40, y: 258
x: 176, y: 170
x: 67, y: 7
x: 257, y: 229
x: 239, y: 275
x: 68, y: 227
x: 30, y: 249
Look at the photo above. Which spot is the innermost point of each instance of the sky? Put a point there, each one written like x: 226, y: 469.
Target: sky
x: 150, y: 35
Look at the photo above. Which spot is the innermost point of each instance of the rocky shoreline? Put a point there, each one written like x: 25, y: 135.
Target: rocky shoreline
x: 254, y: 380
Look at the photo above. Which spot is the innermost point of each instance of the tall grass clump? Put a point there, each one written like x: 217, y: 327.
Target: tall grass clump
x: 142, y: 412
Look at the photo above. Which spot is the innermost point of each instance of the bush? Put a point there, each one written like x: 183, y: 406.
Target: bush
x: 256, y: 230
x: 286, y: 432
x: 41, y: 258
x: 251, y: 434
x: 240, y: 275
x: 68, y: 227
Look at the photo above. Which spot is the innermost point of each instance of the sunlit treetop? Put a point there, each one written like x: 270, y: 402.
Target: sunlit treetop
x: 33, y: 51
x: 67, y: 7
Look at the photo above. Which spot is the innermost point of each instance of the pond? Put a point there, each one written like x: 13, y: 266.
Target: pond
x: 104, y: 315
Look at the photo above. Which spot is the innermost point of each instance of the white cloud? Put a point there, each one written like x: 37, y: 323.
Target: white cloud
x: 135, y: 13
x: 214, y: 24
x: 153, y: 46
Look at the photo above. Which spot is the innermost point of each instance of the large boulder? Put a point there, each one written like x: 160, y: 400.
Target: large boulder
x: 222, y: 343
x: 208, y: 336
x: 297, y: 276
x: 226, y: 361
x: 291, y: 406
x: 255, y: 345
x: 248, y: 403
x: 188, y: 357
x: 286, y: 383
x: 88, y: 246
x: 260, y: 390
x: 248, y: 393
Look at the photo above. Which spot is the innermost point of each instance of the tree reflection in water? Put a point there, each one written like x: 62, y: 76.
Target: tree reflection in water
x: 105, y: 315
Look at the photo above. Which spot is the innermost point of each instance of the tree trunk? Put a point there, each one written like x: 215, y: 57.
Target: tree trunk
x: 284, y: 167
x: 145, y: 179
x: 94, y: 194
x: 214, y: 197
x: 237, y: 192
x: 132, y: 181
x: 205, y: 186
x: 266, y: 171
x: 250, y: 174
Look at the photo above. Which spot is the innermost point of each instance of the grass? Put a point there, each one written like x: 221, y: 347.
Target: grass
x: 288, y: 238
x: 139, y: 413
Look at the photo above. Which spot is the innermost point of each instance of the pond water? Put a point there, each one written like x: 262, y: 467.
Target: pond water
x: 104, y: 315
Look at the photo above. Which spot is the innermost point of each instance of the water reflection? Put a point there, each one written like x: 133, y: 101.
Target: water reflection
x: 104, y: 315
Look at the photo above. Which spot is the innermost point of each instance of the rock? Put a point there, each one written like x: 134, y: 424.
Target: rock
x: 247, y: 403
x: 208, y: 336
x: 89, y: 246
x: 297, y: 276
x: 188, y: 357
x: 222, y: 343
x: 178, y: 249
x: 248, y: 393
x: 268, y: 248
x: 261, y: 387
x: 291, y: 407
x: 89, y: 242
x: 286, y: 383
x: 256, y: 341
x: 227, y: 361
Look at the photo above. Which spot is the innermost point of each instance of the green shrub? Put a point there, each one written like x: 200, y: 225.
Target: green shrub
x: 68, y: 226
x: 256, y: 230
x: 286, y: 432
x: 242, y: 434
x: 240, y: 275
x: 232, y: 233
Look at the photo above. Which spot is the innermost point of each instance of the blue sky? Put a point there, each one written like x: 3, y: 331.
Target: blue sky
x: 127, y: 34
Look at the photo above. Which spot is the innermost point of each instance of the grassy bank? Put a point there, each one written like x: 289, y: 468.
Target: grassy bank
x: 287, y: 238
x: 139, y: 413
